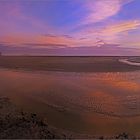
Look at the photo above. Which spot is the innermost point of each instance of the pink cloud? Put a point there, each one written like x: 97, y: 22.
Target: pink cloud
x: 112, y: 32
x: 102, y: 9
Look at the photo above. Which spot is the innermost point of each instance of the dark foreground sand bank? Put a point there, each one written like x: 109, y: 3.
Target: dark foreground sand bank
x: 17, y: 124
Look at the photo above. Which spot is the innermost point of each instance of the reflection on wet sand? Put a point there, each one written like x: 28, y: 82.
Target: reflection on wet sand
x: 78, y: 102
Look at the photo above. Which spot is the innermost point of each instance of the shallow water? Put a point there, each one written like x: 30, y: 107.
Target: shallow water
x: 92, y: 103
x: 126, y: 61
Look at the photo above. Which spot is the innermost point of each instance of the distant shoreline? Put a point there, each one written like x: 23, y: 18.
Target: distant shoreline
x: 123, y: 56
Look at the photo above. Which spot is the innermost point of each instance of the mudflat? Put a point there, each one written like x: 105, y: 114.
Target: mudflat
x: 67, y: 64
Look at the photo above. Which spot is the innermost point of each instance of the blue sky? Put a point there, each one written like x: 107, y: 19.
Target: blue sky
x: 98, y: 24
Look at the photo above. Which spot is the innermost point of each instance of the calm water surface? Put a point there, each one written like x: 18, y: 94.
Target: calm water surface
x: 93, y: 103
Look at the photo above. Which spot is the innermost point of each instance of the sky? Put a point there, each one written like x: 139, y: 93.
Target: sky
x: 70, y: 27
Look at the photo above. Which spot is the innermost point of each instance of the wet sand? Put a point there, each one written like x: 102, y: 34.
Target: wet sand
x: 89, y: 103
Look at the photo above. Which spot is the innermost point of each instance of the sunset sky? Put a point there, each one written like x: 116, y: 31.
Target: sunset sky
x: 70, y: 27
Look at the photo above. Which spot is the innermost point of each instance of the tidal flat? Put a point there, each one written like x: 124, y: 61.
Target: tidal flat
x: 104, y: 103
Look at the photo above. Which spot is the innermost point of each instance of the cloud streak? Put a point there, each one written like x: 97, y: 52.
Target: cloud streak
x: 102, y: 9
